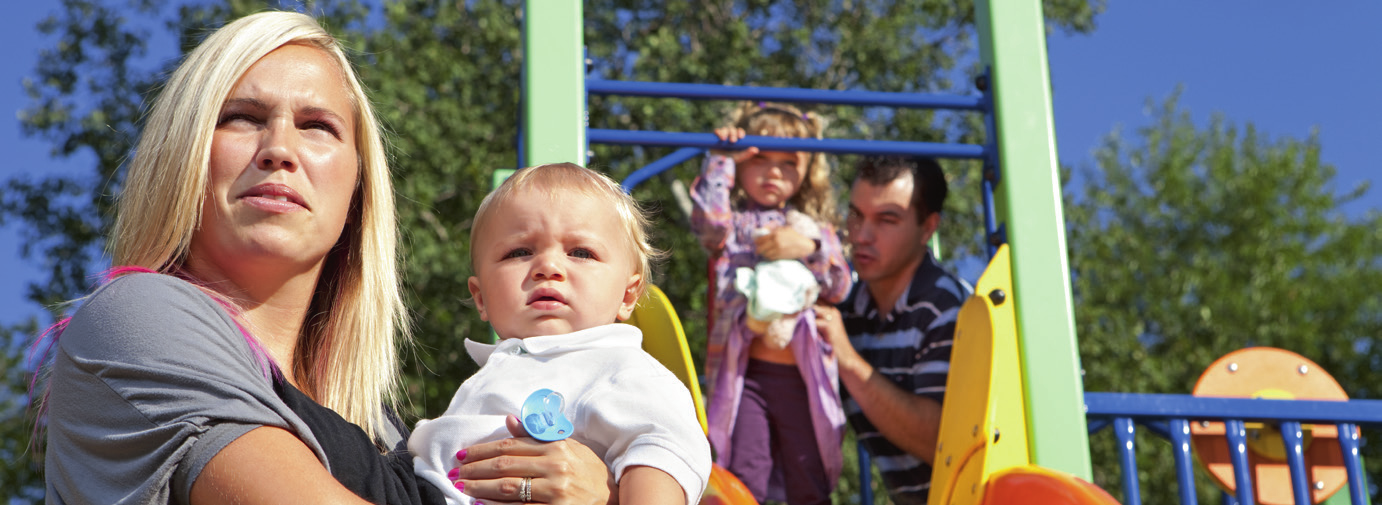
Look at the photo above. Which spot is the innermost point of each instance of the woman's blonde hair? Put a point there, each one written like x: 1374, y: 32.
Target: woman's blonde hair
x: 559, y: 178
x: 816, y: 196
x: 347, y: 358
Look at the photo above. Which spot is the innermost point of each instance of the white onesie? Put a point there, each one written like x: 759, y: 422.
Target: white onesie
x: 625, y: 405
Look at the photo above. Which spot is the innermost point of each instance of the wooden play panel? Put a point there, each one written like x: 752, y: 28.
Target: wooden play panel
x: 1265, y: 372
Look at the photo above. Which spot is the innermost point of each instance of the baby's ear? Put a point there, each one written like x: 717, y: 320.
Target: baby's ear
x: 632, y: 291
x: 474, y: 284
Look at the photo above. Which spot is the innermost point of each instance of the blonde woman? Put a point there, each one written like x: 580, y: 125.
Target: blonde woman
x: 246, y: 348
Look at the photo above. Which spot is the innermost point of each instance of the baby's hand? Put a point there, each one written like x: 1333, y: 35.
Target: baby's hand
x: 732, y: 134
x: 784, y: 243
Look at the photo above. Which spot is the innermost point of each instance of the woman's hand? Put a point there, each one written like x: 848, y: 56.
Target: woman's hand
x: 784, y: 243
x: 732, y: 134
x: 562, y: 472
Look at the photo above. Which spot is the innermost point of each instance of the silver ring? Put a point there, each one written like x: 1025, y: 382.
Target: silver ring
x: 525, y: 491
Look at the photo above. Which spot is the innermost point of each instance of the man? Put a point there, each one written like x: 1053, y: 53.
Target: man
x: 893, y: 333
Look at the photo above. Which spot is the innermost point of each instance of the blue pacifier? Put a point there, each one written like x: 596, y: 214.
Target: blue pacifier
x: 542, y: 416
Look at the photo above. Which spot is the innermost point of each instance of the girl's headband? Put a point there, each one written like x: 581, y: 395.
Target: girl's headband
x: 765, y: 106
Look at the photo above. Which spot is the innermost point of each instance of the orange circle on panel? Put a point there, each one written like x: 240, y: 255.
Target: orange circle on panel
x: 1266, y: 372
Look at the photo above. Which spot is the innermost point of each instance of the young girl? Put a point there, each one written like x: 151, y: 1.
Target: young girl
x: 774, y: 411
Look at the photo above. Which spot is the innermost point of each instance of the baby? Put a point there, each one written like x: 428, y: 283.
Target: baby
x: 560, y: 255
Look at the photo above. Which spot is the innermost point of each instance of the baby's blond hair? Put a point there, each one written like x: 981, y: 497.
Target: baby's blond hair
x: 557, y: 178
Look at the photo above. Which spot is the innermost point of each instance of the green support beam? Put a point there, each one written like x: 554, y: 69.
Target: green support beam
x: 554, y: 117
x: 1012, y: 35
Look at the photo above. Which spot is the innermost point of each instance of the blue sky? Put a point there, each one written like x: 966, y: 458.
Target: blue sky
x: 1283, y: 66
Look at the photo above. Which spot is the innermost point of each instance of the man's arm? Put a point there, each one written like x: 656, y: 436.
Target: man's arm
x: 909, y: 421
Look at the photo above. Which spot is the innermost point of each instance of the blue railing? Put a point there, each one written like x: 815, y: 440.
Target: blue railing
x: 796, y: 95
x: 1170, y: 415
x: 693, y: 144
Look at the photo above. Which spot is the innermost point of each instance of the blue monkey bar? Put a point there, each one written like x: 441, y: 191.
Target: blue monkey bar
x: 822, y: 96
x: 836, y: 146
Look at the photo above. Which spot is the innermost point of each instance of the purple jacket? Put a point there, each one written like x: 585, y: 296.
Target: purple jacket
x: 727, y: 232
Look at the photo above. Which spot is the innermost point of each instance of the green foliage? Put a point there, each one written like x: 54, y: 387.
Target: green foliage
x: 21, y: 474
x: 445, y: 78
x: 1190, y: 242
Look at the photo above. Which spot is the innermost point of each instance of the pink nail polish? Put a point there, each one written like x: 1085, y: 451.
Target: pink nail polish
x: 460, y: 486
x: 460, y: 455
x: 453, y: 474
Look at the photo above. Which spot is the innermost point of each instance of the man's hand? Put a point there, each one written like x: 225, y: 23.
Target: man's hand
x: 909, y: 421
x: 832, y: 329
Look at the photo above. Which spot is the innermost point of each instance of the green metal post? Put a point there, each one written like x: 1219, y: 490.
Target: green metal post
x: 554, y: 117
x: 1012, y: 35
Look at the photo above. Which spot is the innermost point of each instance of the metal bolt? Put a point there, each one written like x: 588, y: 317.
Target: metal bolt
x: 1204, y: 424
x: 975, y: 431
x: 1303, y: 369
x: 940, y: 447
x: 996, y: 435
x: 973, y: 488
x: 947, y: 461
x: 1319, y: 485
x: 997, y: 296
x: 1232, y: 367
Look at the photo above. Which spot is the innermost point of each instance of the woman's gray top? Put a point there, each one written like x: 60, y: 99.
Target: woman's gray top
x: 150, y: 380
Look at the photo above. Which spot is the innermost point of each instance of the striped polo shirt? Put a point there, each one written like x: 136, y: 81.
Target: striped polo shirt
x: 911, y: 346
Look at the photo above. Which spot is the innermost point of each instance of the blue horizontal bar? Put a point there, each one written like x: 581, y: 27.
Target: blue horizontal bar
x: 1248, y: 409
x: 799, y: 95
x: 837, y: 146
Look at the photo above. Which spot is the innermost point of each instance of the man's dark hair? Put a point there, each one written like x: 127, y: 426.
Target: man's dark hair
x: 928, y: 181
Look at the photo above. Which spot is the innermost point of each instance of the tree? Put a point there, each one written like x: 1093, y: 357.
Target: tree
x: 21, y: 473
x: 445, y: 78
x: 1188, y: 242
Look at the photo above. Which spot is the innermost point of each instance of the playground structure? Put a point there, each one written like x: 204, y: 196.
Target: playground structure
x: 1017, y: 408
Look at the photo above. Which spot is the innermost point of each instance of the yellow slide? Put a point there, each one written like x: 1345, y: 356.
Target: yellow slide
x: 664, y: 338
x: 981, y: 455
